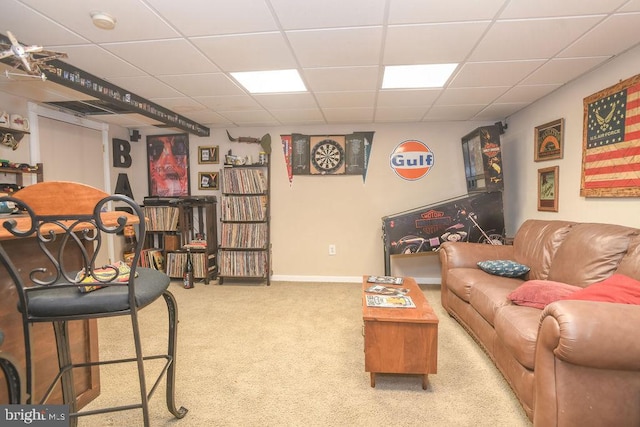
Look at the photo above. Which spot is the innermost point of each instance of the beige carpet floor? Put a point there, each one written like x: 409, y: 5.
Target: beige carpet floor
x: 291, y: 354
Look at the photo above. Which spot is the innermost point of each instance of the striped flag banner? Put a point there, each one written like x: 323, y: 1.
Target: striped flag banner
x: 611, y: 147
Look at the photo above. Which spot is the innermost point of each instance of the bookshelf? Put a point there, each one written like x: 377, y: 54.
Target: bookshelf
x: 245, y: 247
x: 175, y: 224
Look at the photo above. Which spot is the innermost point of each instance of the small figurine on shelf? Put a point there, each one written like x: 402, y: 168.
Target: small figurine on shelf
x: 188, y: 272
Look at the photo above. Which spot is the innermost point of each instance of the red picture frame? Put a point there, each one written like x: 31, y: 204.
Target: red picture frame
x: 168, y: 165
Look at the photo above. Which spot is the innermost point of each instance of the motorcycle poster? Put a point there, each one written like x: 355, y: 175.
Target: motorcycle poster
x: 477, y: 218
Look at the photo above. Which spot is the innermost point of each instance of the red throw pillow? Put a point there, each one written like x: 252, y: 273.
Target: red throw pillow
x: 539, y: 293
x: 617, y: 288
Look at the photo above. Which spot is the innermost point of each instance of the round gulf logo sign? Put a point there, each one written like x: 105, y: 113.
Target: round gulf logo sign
x: 411, y: 160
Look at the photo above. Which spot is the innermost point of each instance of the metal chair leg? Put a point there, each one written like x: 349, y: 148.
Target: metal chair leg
x: 172, y: 309
x: 12, y: 376
x: 140, y: 363
x: 61, y: 329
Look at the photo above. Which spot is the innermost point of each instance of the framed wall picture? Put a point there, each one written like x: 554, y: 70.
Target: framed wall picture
x: 548, y: 189
x: 548, y: 139
x: 168, y: 165
x: 208, y: 180
x: 209, y: 154
x: 611, y: 141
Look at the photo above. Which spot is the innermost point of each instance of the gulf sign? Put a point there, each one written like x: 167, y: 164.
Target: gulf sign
x: 411, y: 160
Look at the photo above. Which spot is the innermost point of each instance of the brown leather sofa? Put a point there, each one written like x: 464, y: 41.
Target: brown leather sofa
x: 573, y: 363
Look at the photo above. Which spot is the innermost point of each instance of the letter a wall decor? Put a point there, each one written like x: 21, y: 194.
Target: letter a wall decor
x: 327, y: 154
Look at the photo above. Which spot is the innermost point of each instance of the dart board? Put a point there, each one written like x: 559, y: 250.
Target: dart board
x: 327, y: 156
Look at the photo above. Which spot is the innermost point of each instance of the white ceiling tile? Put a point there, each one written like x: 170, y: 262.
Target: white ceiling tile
x: 342, y: 78
x: 147, y: 86
x: 622, y: 32
x: 286, y: 101
x: 500, y: 111
x: 399, y: 114
x: 469, y: 96
x: 181, y: 52
x: 206, y: 17
x: 163, y: 57
x: 346, y: 99
x: 299, y: 116
x: 99, y: 62
x: 335, y: 48
x: 348, y: 115
x: 34, y: 28
x: 210, y: 84
x: 134, y: 19
x: 181, y: 105
x: 429, y: 44
x: 414, y: 11
x: 531, y: 39
x: 407, y: 98
x: 453, y: 112
x: 250, y: 117
x: 528, y: 94
x: 296, y: 14
x: 247, y: 52
x: 548, y: 8
x: 562, y: 70
x: 631, y: 6
x: 483, y: 74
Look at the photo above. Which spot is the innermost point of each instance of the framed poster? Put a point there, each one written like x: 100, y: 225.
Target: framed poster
x: 168, y: 165
x: 548, y: 141
x: 611, y: 142
x: 208, y: 180
x: 548, y: 189
x: 209, y: 154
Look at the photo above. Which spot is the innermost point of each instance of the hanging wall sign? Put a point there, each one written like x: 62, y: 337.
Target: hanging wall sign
x: 327, y: 154
x: 411, y: 160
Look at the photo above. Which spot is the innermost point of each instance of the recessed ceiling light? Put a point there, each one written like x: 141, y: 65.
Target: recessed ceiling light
x: 276, y: 81
x: 417, y: 76
x: 103, y: 20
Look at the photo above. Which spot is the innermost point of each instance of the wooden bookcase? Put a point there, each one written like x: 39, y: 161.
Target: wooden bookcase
x: 245, y: 246
x: 173, y: 223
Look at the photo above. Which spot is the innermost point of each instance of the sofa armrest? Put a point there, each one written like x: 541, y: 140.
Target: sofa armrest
x: 594, y: 334
x: 587, y: 364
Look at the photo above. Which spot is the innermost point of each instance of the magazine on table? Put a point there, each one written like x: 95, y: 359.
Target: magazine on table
x: 390, y: 301
x: 386, y: 280
x: 383, y: 290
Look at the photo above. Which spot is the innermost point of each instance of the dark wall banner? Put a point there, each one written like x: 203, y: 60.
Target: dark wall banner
x: 327, y: 154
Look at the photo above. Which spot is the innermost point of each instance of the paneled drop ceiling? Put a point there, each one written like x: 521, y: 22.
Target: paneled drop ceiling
x: 179, y: 54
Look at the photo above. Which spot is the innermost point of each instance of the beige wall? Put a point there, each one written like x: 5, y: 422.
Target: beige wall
x: 312, y: 212
x: 521, y: 171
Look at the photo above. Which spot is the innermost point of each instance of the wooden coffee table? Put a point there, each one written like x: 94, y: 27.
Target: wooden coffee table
x: 400, y: 340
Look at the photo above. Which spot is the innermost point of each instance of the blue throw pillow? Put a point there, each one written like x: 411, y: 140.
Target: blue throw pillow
x: 504, y: 268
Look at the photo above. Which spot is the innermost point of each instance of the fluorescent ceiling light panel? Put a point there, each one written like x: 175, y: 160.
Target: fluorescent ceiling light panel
x: 417, y: 76
x: 277, y: 81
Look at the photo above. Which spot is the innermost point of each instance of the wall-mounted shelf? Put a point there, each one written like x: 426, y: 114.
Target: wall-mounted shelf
x: 19, y: 173
x: 17, y: 134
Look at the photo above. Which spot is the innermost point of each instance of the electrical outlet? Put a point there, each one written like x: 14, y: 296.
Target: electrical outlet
x: 332, y: 249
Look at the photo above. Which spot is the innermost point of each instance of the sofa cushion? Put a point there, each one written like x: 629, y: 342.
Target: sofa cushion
x: 504, y: 268
x: 629, y: 264
x: 487, y: 297
x: 539, y: 293
x: 617, y: 288
x: 461, y: 280
x: 536, y: 243
x: 517, y: 328
x: 590, y: 253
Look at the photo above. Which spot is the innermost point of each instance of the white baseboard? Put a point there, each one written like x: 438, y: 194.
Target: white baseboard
x: 343, y: 279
